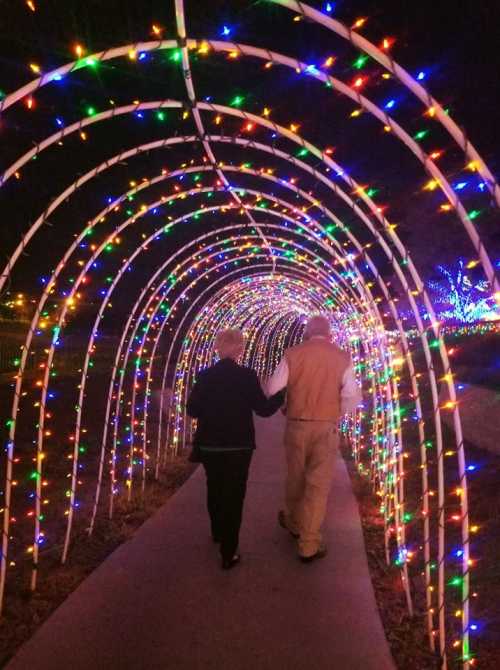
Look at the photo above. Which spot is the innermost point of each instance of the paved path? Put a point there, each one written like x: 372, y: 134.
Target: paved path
x: 161, y: 601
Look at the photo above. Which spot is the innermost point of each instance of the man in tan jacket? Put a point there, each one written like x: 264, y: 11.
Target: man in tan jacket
x: 321, y: 387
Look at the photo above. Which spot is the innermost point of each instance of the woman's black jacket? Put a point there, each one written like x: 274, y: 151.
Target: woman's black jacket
x: 223, y: 399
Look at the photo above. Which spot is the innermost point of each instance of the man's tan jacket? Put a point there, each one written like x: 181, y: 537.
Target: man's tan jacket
x: 316, y: 368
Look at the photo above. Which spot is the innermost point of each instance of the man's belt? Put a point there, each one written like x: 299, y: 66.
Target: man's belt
x: 312, y: 421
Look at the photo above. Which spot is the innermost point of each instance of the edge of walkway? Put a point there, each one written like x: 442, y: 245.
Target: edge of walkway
x: 161, y: 602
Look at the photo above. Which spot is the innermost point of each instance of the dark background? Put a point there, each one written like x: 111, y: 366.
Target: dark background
x: 458, y: 40
x: 456, y: 43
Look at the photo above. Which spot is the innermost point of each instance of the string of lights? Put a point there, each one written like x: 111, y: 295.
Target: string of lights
x: 258, y: 243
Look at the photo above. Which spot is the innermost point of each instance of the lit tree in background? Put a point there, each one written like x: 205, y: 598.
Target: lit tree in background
x: 463, y: 300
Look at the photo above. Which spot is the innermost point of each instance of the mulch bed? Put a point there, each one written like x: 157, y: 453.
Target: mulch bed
x: 406, y: 636
x: 25, y: 611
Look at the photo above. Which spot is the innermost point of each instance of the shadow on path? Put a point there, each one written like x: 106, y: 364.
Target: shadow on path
x: 161, y: 601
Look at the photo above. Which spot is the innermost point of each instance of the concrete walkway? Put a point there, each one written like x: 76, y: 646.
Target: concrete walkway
x: 161, y: 601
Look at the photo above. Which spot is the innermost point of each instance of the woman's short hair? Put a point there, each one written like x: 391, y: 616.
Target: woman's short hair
x: 229, y: 343
x: 317, y: 325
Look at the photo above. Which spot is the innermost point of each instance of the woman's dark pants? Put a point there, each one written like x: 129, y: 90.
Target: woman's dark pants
x: 227, y: 475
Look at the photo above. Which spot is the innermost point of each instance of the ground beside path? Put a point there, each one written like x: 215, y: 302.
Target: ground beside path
x: 161, y: 601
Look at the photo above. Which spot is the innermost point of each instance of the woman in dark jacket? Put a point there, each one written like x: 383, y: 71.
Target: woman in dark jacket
x: 222, y: 400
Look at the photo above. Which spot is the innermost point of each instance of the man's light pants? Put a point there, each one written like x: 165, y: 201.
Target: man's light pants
x: 310, y: 449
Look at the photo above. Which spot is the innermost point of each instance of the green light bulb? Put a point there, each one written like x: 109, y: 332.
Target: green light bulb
x: 360, y: 62
x: 237, y: 101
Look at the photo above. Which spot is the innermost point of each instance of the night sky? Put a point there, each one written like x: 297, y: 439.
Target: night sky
x: 456, y: 43
x: 458, y: 40
x: 357, y: 181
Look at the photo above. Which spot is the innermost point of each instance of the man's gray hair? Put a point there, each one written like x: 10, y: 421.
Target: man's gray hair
x: 229, y: 343
x: 317, y: 325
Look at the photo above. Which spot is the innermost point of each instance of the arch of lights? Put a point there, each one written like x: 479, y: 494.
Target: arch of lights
x: 264, y: 277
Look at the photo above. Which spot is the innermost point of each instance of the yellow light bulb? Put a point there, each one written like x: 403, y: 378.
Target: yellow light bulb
x: 359, y: 23
x: 431, y: 185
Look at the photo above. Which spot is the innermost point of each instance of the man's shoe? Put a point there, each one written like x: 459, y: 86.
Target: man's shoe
x: 321, y: 553
x: 228, y: 563
x: 282, y: 523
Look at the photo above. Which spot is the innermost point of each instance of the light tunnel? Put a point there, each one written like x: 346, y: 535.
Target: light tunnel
x: 227, y: 212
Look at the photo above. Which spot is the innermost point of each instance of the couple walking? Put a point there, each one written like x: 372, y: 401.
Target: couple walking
x: 316, y: 381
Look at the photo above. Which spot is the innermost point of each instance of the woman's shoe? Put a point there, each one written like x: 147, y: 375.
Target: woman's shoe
x: 228, y: 563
